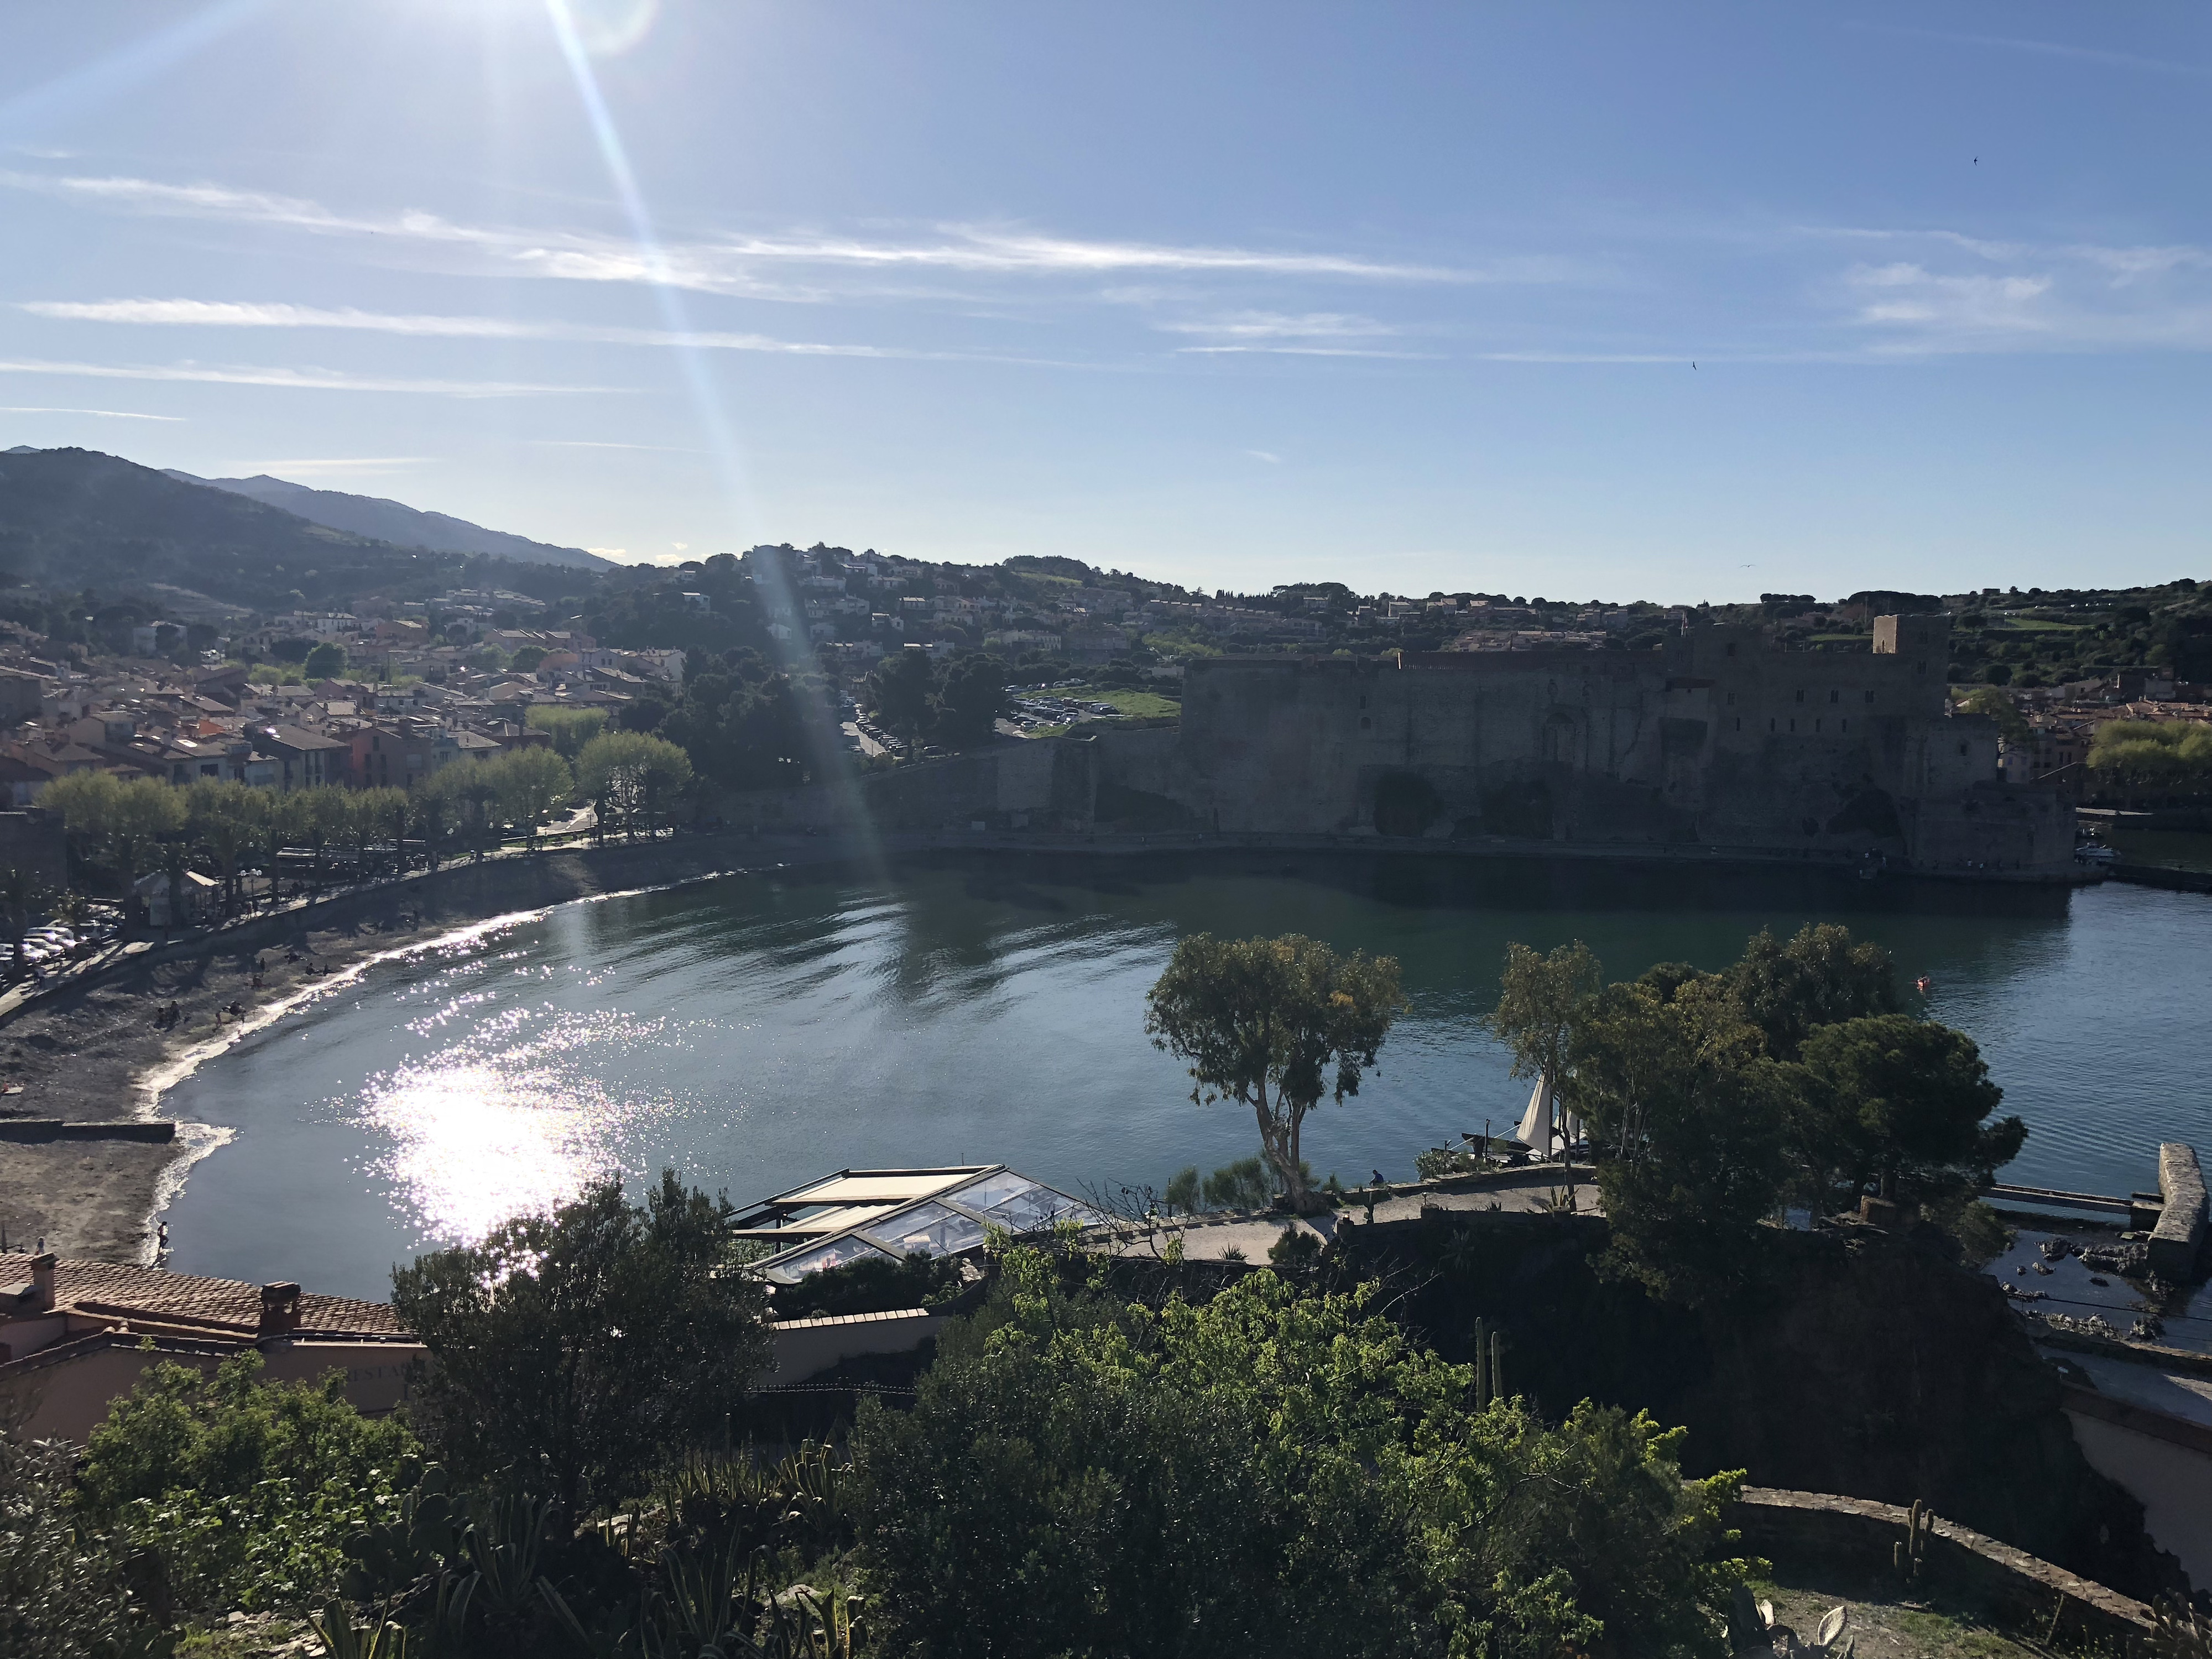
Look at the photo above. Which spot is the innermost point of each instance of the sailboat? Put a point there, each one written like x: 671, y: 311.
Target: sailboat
x: 1540, y: 1129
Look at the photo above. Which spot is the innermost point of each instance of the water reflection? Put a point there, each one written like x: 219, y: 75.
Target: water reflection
x: 753, y: 1033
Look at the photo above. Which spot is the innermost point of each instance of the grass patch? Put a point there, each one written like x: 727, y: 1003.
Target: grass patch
x: 1128, y: 701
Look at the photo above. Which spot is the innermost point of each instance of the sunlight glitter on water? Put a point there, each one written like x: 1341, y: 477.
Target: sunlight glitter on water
x: 470, y: 1145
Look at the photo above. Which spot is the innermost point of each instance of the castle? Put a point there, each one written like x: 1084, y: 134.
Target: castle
x: 1718, y: 740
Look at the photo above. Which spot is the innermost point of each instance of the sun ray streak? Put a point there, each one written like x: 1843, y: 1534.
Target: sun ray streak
x: 721, y: 441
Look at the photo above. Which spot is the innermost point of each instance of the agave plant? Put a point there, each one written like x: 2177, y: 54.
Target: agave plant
x: 2182, y: 1633
x: 379, y: 1638
x: 1834, y: 1625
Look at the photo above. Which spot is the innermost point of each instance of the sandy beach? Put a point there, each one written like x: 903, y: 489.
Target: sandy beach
x: 92, y: 1052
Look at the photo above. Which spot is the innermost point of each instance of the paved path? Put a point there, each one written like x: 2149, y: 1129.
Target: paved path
x: 1248, y: 1237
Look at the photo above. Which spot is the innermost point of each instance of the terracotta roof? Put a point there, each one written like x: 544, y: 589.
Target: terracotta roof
x: 117, y: 1288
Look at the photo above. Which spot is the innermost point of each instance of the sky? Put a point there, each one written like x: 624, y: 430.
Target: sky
x: 1596, y: 300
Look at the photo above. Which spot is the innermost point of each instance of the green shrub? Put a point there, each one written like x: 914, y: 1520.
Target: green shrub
x: 63, y: 1589
x: 1266, y: 1472
x: 244, y: 1492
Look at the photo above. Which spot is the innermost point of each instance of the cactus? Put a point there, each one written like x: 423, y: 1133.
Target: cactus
x: 1910, y: 1552
x: 420, y: 1538
x: 1497, y: 1365
x: 1481, y: 1366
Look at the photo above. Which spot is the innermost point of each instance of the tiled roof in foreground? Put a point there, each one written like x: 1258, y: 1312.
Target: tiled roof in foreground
x: 118, y: 1288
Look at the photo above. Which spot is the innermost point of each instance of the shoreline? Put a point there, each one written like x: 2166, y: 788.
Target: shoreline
x: 87, y: 1051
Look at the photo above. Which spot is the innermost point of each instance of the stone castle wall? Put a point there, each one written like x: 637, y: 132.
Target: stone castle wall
x: 1718, y: 740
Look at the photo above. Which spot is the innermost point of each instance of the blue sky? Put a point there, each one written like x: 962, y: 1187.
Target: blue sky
x: 1406, y: 296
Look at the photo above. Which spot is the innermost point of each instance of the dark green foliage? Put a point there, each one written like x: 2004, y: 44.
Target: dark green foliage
x: 244, y: 1492
x: 1265, y: 1473
x: 970, y: 694
x: 954, y: 701
x: 899, y: 689
x: 1906, y: 1102
x: 1710, y: 1098
x: 1692, y: 1115
x: 571, y: 1354
x: 326, y: 661
x: 63, y: 1591
x: 871, y: 1285
x: 1243, y: 1185
x: 1820, y: 976
x: 746, y: 726
x: 1184, y: 1195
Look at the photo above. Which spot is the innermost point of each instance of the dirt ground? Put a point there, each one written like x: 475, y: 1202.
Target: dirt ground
x: 1887, y: 1624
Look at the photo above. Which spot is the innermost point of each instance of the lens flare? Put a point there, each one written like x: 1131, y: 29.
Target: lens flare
x: 607, y: 28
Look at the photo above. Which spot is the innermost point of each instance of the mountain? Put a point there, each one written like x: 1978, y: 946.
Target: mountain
x: 75, y: 518
x: 397, y: 523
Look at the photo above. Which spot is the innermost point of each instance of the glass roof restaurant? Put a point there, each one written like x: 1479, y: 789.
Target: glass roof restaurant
x: 892, y: 1213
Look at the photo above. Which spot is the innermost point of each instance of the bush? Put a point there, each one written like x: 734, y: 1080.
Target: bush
x: 63, y: 1594
x: 572, y: 1355
x: 1267, y: 1472
x: 244, y: 1492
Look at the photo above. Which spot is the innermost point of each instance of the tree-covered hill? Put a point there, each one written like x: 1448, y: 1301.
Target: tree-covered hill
x: 77, y: 519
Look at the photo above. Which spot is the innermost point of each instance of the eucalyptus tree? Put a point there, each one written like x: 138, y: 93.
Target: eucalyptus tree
x: 1274, y: 1024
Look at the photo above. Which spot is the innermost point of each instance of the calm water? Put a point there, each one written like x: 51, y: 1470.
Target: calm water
x: 754, y: 1031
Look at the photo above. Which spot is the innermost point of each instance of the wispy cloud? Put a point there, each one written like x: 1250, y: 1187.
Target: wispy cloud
x: 309, y: 379
x: 107, y: 414
x: 211, y: 313
x: 220, y: 313
x: 1267, y: 455
x: 1301, y: 351
x: 1281, y: 325
x: 2016, y: 296
x: 732, y: 265
x: 2045, y: 49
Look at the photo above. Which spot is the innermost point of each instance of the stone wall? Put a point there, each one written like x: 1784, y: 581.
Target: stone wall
x: 2022, y: 1592
x: 1718, y: 740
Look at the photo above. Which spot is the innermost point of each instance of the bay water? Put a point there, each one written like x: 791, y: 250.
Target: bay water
x: 755, y: 1030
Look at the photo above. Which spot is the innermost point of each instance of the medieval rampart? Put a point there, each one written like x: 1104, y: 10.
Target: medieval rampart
x: 1719, y: 740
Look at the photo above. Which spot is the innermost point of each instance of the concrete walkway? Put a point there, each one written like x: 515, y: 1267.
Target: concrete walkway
x: 1248, y: 1237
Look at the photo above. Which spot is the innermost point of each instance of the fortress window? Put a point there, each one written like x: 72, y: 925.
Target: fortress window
x: 1731, y: 650
x: 1731, y: 703
x: 1738, y: 722
x: 1800, y: 696
x: 1365, y: 722
x: 1835, y: 697
x: 1962, y: 747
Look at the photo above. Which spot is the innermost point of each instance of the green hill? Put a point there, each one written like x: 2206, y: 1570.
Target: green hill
x: 75, y: 518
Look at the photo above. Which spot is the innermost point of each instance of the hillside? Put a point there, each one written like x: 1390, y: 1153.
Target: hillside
x: 76, y: 518
x: 397, y: 522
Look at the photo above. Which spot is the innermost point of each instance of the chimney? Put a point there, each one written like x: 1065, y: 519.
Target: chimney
x: 279, y: 1308
x: 42, y: 1280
